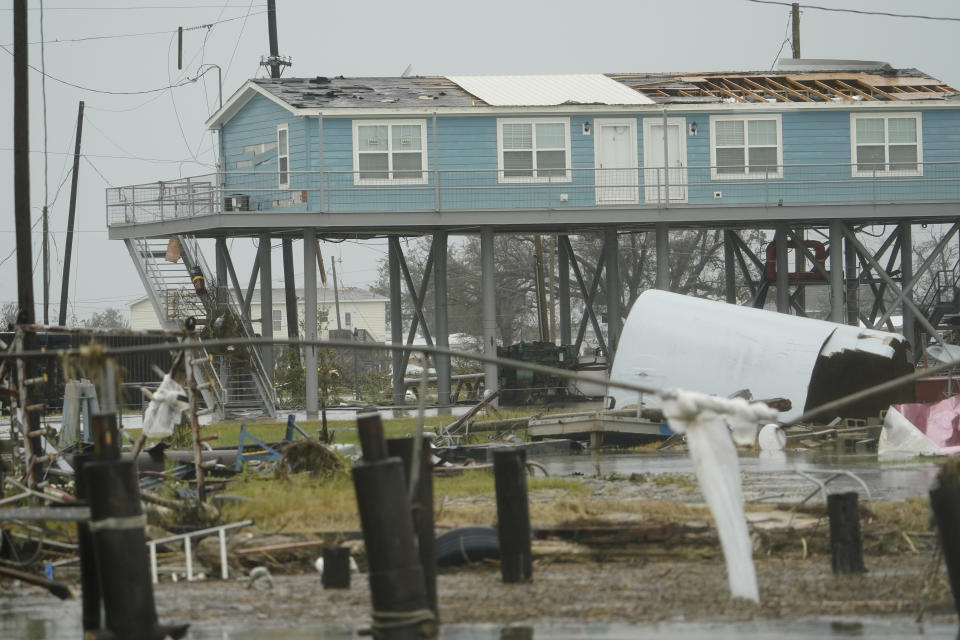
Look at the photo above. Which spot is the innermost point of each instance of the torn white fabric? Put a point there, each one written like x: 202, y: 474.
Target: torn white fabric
x: 164, y: 410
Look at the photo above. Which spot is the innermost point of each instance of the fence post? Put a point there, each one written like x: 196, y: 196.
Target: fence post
x: 945, y: 502
x: 513, y: 514
x: 845, y: 543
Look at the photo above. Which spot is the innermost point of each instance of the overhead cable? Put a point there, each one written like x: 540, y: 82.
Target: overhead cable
x: 860, y: 11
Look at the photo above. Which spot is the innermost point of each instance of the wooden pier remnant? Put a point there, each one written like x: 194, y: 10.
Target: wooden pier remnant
x: 845, y: 542
x: 513, y: 514
x: 945, y: 502
x: 397, y: 586
x: 336, y: 567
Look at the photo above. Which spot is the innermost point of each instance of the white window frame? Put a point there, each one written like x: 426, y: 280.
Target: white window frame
x: 285, y: 155
x: 746, y: 175
x: 276, y: 318
x: 566, y: 177
x: 357, y: 180
x: 887, y: 171
x: 347, y: 318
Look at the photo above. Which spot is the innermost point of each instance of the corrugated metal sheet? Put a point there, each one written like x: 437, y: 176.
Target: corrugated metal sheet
x: 549, y: 90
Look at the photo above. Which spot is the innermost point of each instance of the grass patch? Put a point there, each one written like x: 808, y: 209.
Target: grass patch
x: 912, y: 514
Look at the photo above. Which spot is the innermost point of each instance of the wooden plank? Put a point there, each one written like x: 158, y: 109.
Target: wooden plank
x: 743, y: 87
x: 725, y: 91
x: 789, y: 90
x: 763, y: 88
x: 805, y: 87
x: 857, y: 90
x: 832, y: 90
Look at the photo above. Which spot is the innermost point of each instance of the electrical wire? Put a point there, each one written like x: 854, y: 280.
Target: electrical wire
x: 860, y: 11
x: 143, y: 7
x: 239, y: 36
x: 113, y: 157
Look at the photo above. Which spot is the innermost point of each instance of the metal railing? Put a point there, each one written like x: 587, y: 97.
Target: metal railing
x: 458, y: 190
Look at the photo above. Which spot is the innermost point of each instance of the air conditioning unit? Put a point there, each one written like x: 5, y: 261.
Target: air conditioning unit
x: 236, y: 202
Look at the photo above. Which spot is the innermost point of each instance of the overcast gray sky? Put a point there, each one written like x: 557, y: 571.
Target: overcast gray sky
x: 141, y: 138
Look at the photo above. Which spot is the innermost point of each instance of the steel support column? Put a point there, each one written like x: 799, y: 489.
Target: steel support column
x: 220, y: 251
x: 264, y: 256
x: 906, y: 279
x: 396, y: 323
x: 853, y: 281
x: 783, y: 269
x: 836, y: 272
x: 663, y: 253
x: 489, y: 312
x: 563, y: 286
x: 613, y: 290
x: 441, y: 330
x: 729, y: 268
x: 310, y: 321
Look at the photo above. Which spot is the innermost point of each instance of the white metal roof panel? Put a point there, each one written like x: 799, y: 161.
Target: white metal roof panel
x: 549, y: 90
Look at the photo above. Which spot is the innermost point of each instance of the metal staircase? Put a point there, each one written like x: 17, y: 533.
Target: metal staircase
x: 941, y: 302
x: 238, y: 382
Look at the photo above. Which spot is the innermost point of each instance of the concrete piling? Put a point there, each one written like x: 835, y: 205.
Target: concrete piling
x: 845, y: 542
x: 513, y: 514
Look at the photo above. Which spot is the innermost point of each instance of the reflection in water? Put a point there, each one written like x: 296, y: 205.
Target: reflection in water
x: 516, y: 633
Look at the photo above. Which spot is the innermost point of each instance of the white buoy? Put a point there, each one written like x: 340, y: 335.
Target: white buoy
x: 772, y: 438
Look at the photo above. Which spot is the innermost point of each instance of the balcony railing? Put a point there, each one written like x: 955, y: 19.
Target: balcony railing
x: 454, y: 190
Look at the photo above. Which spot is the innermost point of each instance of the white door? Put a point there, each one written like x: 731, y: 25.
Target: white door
x: 658, y: 172
x: 615, y: 151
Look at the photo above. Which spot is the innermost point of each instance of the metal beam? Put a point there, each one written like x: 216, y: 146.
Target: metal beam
x: 729, y: 268
x: 588, y: 312
x: 613, y: 291
x: 783, y: 269
x: 893, y: 285
x: 488, y: 287
x: 906, y: 294
x: 836, y: 272
x: 418, y: 301
x: 563, y: 284
x: 637, y: 217
x: 310, y: 322
x: 264, y: 259
x: 442, y: 361
x: 662, y: 232
x: 396, y: 325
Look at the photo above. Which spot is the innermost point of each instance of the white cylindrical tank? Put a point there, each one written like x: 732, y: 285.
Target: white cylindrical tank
x: 671, y: 340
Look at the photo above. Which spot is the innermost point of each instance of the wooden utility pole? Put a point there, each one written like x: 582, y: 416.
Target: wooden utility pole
x: 71, y: 217
x: 21, y: 164
x: 795, y: 21
x: 289, y: 285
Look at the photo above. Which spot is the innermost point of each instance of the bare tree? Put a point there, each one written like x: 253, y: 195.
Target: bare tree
x: 110, y: 318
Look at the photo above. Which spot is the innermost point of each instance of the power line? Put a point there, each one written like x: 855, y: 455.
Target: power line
x: 143, y: 33
x: 143, y: 7
x: 860, y: 11
x: 182, y: 83
x: 112, y: 157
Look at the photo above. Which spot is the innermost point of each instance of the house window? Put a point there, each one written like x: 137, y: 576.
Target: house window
x: 283, y: 156
x: 746, y: 147
x: 886, y: 145
x: 277, y: 319
x: 323, y: 316
x: 533, y: 150
x: 390, y: 151
x: 346, y: 319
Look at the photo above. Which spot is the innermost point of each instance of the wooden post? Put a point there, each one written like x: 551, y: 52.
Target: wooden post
x: 119, y: 541
x: 945, y: 502
x: 421, y: 510
x: 795, y: 23
x: 513, y: 514
x: 89, y: 580
x: 336, y: 568
x: 397, y: 588
x: 845, y: 544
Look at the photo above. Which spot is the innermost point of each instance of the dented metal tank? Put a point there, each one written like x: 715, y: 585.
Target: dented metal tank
x: 676, y: 341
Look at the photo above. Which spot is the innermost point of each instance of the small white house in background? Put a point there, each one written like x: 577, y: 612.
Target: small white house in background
x: 359, y: 309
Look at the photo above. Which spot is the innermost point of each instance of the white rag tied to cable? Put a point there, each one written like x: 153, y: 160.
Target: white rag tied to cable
x: 712, y: 425
x: 164, y: 409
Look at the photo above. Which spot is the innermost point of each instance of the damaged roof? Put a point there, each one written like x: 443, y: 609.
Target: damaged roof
x: 793, y: 81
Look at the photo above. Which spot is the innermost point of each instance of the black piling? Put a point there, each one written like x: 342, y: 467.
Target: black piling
x: 89, y: 580
x: 336, y: 568
x: 119, y: 541
x: 397, y: 587
x: 421, y: 509
x: 513, y: 514
x: 945, y: 502
x: 845, y: 542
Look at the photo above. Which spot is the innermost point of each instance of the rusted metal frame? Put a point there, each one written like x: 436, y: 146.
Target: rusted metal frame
x: 928, y: 262
x: 741, y: 85
x: 587, y: 296
x: 805, y: 250
x: 795, y: 301
x: 759, y: 86
x: 865, y: 268
x: 918, y: 315
x: 857, y: 90
x: 418, y: 300
x: 724, y: 91
x: 789, y: 90
x: 807, y: 88
x: 833, y: 90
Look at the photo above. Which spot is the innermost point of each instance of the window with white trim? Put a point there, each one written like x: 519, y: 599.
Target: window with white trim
x: 536, y: 150
x: 746, y: 147
x: 346, y: 318
x: 886, y: 145
x: 390, y: 151
x: 277, y: 318
x: 283, y: 156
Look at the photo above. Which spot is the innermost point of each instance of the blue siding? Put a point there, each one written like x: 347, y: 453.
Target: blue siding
x: 816, y: 152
